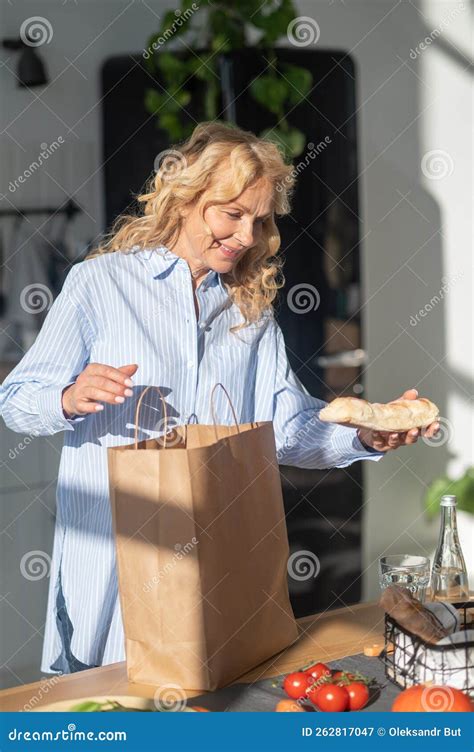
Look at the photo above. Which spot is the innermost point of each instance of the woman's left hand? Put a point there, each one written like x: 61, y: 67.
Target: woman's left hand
x: 382, y: 441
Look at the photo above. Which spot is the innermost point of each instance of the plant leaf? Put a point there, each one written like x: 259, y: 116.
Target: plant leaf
x: 291, y: 141
x: 462, y: 488
x: 270, y: 92
x: 153, y: 100
x: 274, y: 24
x: 299, y: 82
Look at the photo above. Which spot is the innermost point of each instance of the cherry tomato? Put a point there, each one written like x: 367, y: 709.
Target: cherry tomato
x: 330, y: 698
x: 358, y: 695
x: 296, y: 684
x: 317, y: 671
x: 288, y: 706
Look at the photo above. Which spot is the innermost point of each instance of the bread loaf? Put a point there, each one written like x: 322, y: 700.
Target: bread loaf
x: 411, y: 614
x: 401, y: 415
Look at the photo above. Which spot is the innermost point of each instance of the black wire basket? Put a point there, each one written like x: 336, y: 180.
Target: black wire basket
x: 409, y: 660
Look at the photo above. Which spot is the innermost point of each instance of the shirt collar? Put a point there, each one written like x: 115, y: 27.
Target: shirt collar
x: 162, y: 262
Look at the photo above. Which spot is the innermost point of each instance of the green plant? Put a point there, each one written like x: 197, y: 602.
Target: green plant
x: 225, y: 29
x: 462, y: 488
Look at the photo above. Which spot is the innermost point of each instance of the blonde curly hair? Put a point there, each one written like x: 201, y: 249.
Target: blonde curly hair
x: 188, y: 173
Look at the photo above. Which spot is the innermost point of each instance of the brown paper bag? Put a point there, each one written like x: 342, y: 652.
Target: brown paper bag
x: 202, y: 553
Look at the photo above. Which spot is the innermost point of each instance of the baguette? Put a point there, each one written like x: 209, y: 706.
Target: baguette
x: 402, y: 415
x: 400, y: 604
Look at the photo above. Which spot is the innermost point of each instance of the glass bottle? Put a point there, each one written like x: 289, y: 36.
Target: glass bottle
x: 449, y: 574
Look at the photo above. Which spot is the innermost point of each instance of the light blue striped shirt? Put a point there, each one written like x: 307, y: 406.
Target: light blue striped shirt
x: 138, y: 307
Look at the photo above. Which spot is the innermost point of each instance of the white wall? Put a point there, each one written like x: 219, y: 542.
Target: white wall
x: 406, y: 108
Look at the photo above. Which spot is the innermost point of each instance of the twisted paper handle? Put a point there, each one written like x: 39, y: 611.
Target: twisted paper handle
x: 165, y: 413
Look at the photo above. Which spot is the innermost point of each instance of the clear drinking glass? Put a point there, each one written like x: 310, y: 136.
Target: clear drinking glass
x: 412, y: 572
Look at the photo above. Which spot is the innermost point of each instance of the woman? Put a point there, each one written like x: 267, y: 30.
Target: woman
x: 181, y: 298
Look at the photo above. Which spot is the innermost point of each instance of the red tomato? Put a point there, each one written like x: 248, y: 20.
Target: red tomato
x: 330, y: 698
x: 296, y: 684
x: 317, y: 671
x: 432, y: 699
x: 358, y: 695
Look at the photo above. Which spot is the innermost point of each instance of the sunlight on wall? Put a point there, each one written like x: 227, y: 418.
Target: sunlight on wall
x: 446, y: 174
x: 453, y: 19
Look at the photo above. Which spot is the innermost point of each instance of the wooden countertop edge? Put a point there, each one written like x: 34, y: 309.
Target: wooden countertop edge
x: 334, y: 641
x: 64, y: 679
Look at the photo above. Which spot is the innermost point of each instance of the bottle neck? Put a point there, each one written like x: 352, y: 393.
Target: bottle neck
x: 448, y: 531
x: 448, y: 518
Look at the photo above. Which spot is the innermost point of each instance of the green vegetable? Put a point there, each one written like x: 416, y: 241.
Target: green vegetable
x: 109, y: 706
x: 87, y: 707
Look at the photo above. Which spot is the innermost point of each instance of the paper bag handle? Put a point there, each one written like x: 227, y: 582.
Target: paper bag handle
x: 214, y: 409
x: 165, y: 413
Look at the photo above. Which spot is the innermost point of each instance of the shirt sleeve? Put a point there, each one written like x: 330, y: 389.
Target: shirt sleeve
x: 31, y: 395
x: 302, y: 439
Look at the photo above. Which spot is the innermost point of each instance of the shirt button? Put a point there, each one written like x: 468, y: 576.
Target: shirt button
x: 190, y: 363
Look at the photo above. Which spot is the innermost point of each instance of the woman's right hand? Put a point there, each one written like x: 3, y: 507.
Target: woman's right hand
x: 98, y: 383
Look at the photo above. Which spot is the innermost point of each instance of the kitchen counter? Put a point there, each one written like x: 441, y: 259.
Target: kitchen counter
x: 323, y: 637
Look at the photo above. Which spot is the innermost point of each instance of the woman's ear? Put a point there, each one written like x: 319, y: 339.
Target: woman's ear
x: 185, y: 211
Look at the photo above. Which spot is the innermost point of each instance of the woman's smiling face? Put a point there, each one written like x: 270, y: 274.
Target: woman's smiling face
x: 236, y: 227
